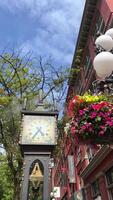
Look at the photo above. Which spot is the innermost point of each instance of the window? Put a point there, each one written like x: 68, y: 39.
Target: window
x: 65, y: 197
x: 109, y: 177
x: 87, y: 63
x: 78, y: 84
x: 71, y: 169
x: 64, y: 179
x: 111, y: 25
x: 78, y: 155
x: 72, y: 188
x: 84, y: 194
x: 89, y: 153
x: 99, y: 26
x: 96, y: 190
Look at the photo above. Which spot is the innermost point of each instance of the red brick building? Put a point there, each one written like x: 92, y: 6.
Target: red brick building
x: 91, y: 168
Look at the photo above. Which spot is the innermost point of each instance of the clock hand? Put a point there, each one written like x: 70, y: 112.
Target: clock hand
x: 39, y: 131
x: 34, y: 135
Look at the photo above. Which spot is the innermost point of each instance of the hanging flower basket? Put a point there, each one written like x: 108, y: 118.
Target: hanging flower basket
x: 91, y: 119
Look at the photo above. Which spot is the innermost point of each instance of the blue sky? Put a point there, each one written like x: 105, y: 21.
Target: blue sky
x: 45, y: 27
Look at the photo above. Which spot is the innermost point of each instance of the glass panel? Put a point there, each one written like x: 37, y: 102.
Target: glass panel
x: 109, y: 176
x: 87, y: 63
x: 64, y: 179
x: 95, y: 189
x: 111, y: 25
x: 89, y: 153
x: 111, y: 193
x: 79, y: 154
x: 99, y: 26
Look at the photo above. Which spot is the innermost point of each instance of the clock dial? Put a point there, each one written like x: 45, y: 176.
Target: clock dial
x: 38, y: 129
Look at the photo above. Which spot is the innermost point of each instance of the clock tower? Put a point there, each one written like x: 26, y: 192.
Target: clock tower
x: 37, y: 141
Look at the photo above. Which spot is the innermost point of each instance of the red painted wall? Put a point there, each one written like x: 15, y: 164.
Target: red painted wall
x: 102, y: 186
x: 103, y: 166
x: 89, y: 193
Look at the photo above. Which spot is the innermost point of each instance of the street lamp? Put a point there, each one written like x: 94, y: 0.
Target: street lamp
x: 103, y: 62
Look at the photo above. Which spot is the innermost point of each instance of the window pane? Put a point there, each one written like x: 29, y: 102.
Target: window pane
x: 111, y: 193
x: 95, y: 188
x: 109, y: 176
x: 99, y: 26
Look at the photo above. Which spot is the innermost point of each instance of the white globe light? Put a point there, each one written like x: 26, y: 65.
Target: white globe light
x: 103, y: 64
x: 109, y: 32
x: 105, y: 41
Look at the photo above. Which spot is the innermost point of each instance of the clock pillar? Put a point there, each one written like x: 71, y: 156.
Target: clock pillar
x: 38, y: 139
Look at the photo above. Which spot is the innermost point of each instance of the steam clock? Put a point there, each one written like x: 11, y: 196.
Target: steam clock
x: 38, y: 139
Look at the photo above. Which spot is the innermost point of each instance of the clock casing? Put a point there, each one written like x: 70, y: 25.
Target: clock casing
x: 39, y: 128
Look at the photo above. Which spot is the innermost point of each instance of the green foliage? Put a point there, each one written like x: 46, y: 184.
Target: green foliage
x: 75, y: 69
x: 6, y: 180
x: 78, y: 57
x: 16, y: 79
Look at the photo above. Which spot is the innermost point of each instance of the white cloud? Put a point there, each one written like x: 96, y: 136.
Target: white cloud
x: 57, y: 25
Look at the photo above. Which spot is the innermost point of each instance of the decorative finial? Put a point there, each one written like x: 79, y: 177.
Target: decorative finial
x: 40, y: 104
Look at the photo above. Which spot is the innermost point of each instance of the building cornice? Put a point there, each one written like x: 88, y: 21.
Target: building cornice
x: 85, y: 25
x: 96, y: 160
x: 87, y: 17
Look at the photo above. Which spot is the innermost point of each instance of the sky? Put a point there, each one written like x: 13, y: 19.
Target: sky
x: 45, y: 27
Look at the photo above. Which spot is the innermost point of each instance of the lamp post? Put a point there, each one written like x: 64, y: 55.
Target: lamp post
x: 103, y: 63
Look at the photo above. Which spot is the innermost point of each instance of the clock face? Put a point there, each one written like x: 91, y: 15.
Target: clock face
x: 38, y: 129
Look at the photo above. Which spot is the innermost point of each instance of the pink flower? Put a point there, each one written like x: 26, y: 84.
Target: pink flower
x: 83, y: 127
x: 110, y: 123
x: 73, y: 130
x: 90, y: 129
x: 101, y: 133
x: 101, y: 114
x: 102, y: 127
x: 108, y: 118
x: 87, y: 125
x: 96, y: 106
x: 99, y: 105
x: 93, y: 115
x: 75, y: 123
x: 81, y: 112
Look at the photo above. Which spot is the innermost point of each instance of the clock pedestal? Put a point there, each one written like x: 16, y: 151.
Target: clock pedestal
x: 38, y: 148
